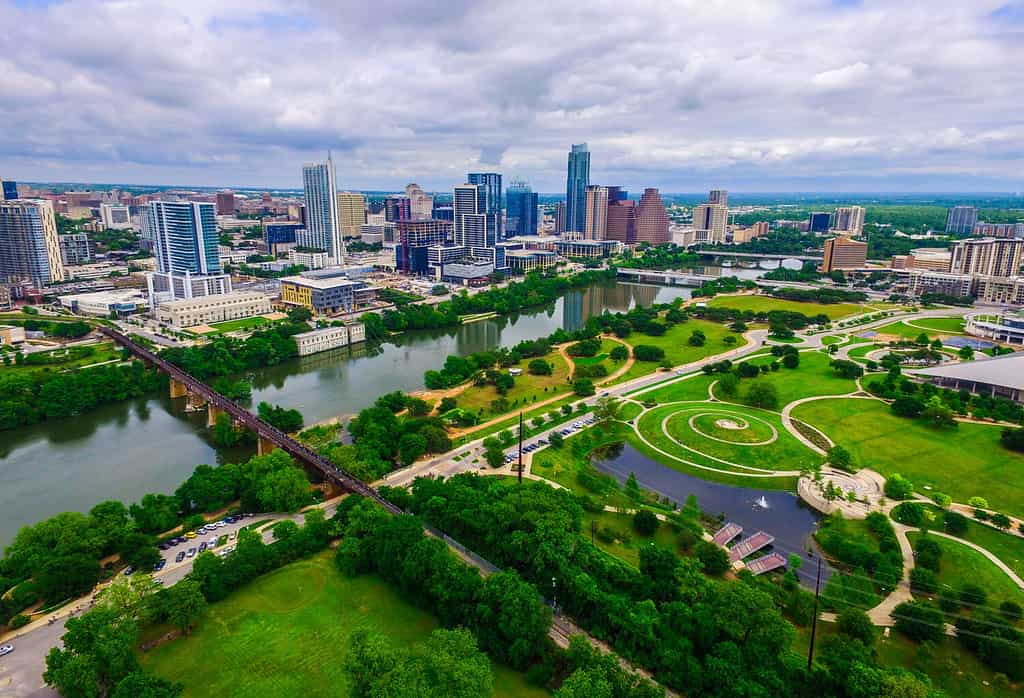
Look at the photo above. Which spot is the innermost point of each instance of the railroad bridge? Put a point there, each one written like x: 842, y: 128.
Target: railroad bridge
x: 269, y: 437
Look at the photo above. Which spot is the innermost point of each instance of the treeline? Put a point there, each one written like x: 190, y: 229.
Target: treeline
x: 740, y: 318
x: 27, y: 398
x: 458, y: 369
x: 826, y: 296
x: 536, y: 289
x: 225, y: 356
x: 59, y: 558
x: 780, y: 241
x: 661, y: 257
x: 808, y: 273
x: 62, y: 329
x: 706, y: 638
x: 724, y: 284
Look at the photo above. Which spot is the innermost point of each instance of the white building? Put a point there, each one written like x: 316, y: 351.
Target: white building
x: 103, y: 303
x: 323, y: 227
x: 96, y: 270
x: 210, y: 309
x: 329, y: 338
x: 311, y: 260
x: 115, y: 216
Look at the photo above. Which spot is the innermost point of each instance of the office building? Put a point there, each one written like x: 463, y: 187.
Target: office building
x: 719, y: 196
x: 493, y: 199
x: 11, y: 335
x: 443, y: 212
x: 560, y: 215
x: 121, y: 302
x: 621, y: 216
x: 987, y: 257
x: 75, y: 249
x: 843, y: 253
x: 327, y: 295
x: 329, y: 338
x: 960, y: 220
x: 397, y: 208
x: 587, y: 249
x: 414, y: 239
x: 849, y: 219
x: 710, y: 222
x: 521, y: 209
x: 29, y: 244
x: 308, y: 258
x: 998, y: 230
x: 527, y: 260
x: 999, y: 289
x: 225, y: 203
x: 576, y: 181
x: 115, y: 216
x: 8, y: 190
x: 323, y: 230
x: 185, y: 244
x: 652, y: 219
x: 596, y: 217
x: 421, y: 204
x: 279, y: 236
x: 818, y: 222
x: 474, y: 226
x: 191, y: 312
x: 351, y: 213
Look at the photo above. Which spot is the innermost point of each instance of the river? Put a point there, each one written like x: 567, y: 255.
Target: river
x: 124, y: 450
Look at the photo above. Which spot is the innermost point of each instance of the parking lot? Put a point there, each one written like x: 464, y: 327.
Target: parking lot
x: 535, y: 444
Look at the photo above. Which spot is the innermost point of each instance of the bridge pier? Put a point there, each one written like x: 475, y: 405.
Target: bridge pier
x: 196, y: 402
x: 212, y: 413
x: 178, y: 389
x: 264, y: 445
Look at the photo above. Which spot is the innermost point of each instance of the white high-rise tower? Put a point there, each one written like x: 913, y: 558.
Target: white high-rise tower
x: 323, y: 229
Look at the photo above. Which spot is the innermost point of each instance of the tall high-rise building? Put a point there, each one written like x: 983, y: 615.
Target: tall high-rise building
x: 521, y: 210
x: 987, y: 256
x: 849, y: 219
x: 421, y: 204
x: 576, y: 181
x: 621, y: 223
x: 397, y: 208
x: 8, y: 190
x: 474, y: 226
x: 998, y: 230
x: 225, y: 203
x: 960, y: 220
x: 185, y: 244
x: 351, y: 213
x: 718, y: 196
x: 29, y: 246
x: 560, y: 216
x: 596, y: 220
x: 710, y: 222
x: 115, y: 216
x: 652, y: 219
x: 323, y: 230
x: 491, y: 182
x: 842, y: 252
x: 818, y: 222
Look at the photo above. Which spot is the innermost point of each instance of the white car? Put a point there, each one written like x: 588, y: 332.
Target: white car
x: 6, y: 649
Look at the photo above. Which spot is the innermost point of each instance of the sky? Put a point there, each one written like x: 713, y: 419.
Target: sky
x: 684, y: 95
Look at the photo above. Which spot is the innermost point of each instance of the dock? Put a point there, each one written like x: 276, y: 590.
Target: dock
x: 726, y: 533
x: 750, y: 545
x: 771, y: 561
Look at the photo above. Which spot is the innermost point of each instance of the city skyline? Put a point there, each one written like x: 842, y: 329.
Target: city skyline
x: 811, y: 96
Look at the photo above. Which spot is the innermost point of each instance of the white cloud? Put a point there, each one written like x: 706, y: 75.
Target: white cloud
x: 667, y: 94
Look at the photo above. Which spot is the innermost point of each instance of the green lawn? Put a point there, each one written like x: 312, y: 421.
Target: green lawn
x: 66, y: 358
x: 861, y: 352
x: 527, y: 388
x: 675, y: 343
x: 1007, y: 547
x: 626, y: 544
x: 285, y: 635
x: 812, y: 377
x: 562, y: 465
x: 832, y: 339
x: 758, y: 304
x: 938, y: 326
x: 962, y: 463
x: 691, y: 387
x: 961, y: 565
x: 947, y: 325
x: 629, y: 411
x: 246, y: 323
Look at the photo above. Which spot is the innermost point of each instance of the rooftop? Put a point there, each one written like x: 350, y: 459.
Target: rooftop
x: 331, y: 282
x: 1006, y: 371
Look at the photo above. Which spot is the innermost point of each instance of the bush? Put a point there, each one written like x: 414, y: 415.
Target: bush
x: 1013, y: 439
x: 927, y: 554
x: 645, y: 522
x: 646, y: 352
x: 854, y: 623
x: 909, y: 513
x: 973, y: 595
x: 762, y: 394
x: 923, y: 581
x: 539, y: 367
x: 1011, y: 611
x: 583, y: 387
x: 619, y: 353
x: 19, y: 621
x: 956, y: 523
x: 919, y: 621
x: 943, y: 500
x: 791, y: 360
x: 714, y: 559
x: 978, y: 502
x: 898, y: 487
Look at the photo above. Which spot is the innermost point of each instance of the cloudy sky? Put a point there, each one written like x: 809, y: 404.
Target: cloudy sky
x: 751, y: 95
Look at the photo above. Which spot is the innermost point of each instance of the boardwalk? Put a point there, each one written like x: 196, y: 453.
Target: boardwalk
x: 769, y: 562
x: 750, y: 545
x: 726, y: 533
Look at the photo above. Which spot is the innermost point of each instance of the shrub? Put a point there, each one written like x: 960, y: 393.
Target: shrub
x: 583, y: 387
x: 909, y: 513
x: 855, y: 623
x: 539, y: 367
x: 1011, y: 611
x: 898, y: 487
x: 923, y: 581
x: 619, y: 353
x: 919, y: 621
x: 646, y: 352
x: 791, y: 360
x: 978, y: 502
x: 714, y: 559
x: 1002, y: 521
x: 645, y: 522
x: 973, y: 595
x: 943, y: 500
x: 19, y: 621
x: 956, y: 523
x: 1013, y: 438
x: 762, y: 394
x: 927, y: 553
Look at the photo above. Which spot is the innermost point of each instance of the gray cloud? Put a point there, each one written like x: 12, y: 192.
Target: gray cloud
x: 762, y: 94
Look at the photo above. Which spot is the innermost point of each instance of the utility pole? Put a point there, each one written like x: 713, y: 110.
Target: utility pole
x: 520, y: 447
x: 814, y: 621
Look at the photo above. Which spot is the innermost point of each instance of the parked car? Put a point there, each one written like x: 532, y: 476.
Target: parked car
x: 191, y: 534
x: 6, y: 650
x: 191, y: 552
x: 212, y: 542
x: 128, y: 571
x: 180, y: 556
x: 159, y: 565
x: 202, y: 546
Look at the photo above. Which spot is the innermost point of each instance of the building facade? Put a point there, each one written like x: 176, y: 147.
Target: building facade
x: 719, y: 196
x: 75, y: 249
x: 960, y: 220
x: 818, y: 222
x: 210, y: 309
x: 998, y: 230
x: 713, y: 218
x: 849, y: 219
x: 323, y: 229
x: 351, y: 213
x: 225, y: 203
x: 397, y: 208
x: 474, y: 226
x: 844, y: 253
x: 621, y: 223
x: 29, y: 244
x: 115, y: 216
x: 327, y: 295
x: 493, y: 196
x: 522, y: 210
x: 8, y: 190
x: 595, y: 224
x: 279, y: 236
x: 652, y: 219
x: 987, y: 257
x: 185, y: 244
x: 328, y: 338
x: 576, y: 181
x: 414, y: 239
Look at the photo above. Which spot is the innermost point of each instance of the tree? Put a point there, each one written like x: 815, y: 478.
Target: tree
x: 697, y: 339
x: 922, y: 340
x: 1013, y: 438
x: 791, y: 360
x: 556, y: 439
x: 67, y: 576
x: 606, y: 409
x: 851, y: 370
x: 185, y: 603
x: 937, y: 413
x: 128, y: 596
x: 539, y: 367
x: 955, y: 523
x: 98, y: 651
x: 646, y: 352
x: 908, y: 513
x: 898, y: 487
x: 856, y: 624
x: 781, y: 331
x: 585, y: 683
x: 714, y: 560
x: 966, y: 353
x: 138, y: 550
x: 411, y: 447
x: 511, y: 619
x: 1000, y: 520
x: 619, y: 353
x: 729, y: 384
x: 447, y: 404
x: 284, y: 419
x: 920, y: 621
x: 584, y: 387
x: 645, y: 522
x: 839, y: 457
x: 494, y: 455
x: 298, y: 315
x: 763, y: 394
x: 417, y: 407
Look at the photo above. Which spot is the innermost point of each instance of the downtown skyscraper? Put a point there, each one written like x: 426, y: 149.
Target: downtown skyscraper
x: 522, y: 218
x: 323, y: 227
x: 185, y: 244
x: 491, y: 183
x: 29, y: 246
x: 576, y: 181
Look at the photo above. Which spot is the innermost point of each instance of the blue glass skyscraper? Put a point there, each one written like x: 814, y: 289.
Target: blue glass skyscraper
x: 521, y: 210
x: 490, y: 189
x: 577, y: 179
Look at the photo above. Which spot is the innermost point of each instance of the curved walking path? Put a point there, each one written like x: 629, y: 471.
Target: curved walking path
x: 984, y: 551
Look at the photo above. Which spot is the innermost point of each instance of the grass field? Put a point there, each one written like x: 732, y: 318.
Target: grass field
x: 692, y: 387
x: 562, y: 466
x: 947, y: 325
x: 66, y: 359
x: 942, y: 326
x: 677, y: 349
x: 812, y: 377
x: 285, y: 635
x: 527, y: 388
x: 962, y: 463
x: 832, y: 339
x: 626, y: 545
x: 758, y: 304
x: 1007, y: 547
x: 961, y: 565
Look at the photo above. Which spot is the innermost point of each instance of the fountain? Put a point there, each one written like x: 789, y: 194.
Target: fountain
x: 761, y: 502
